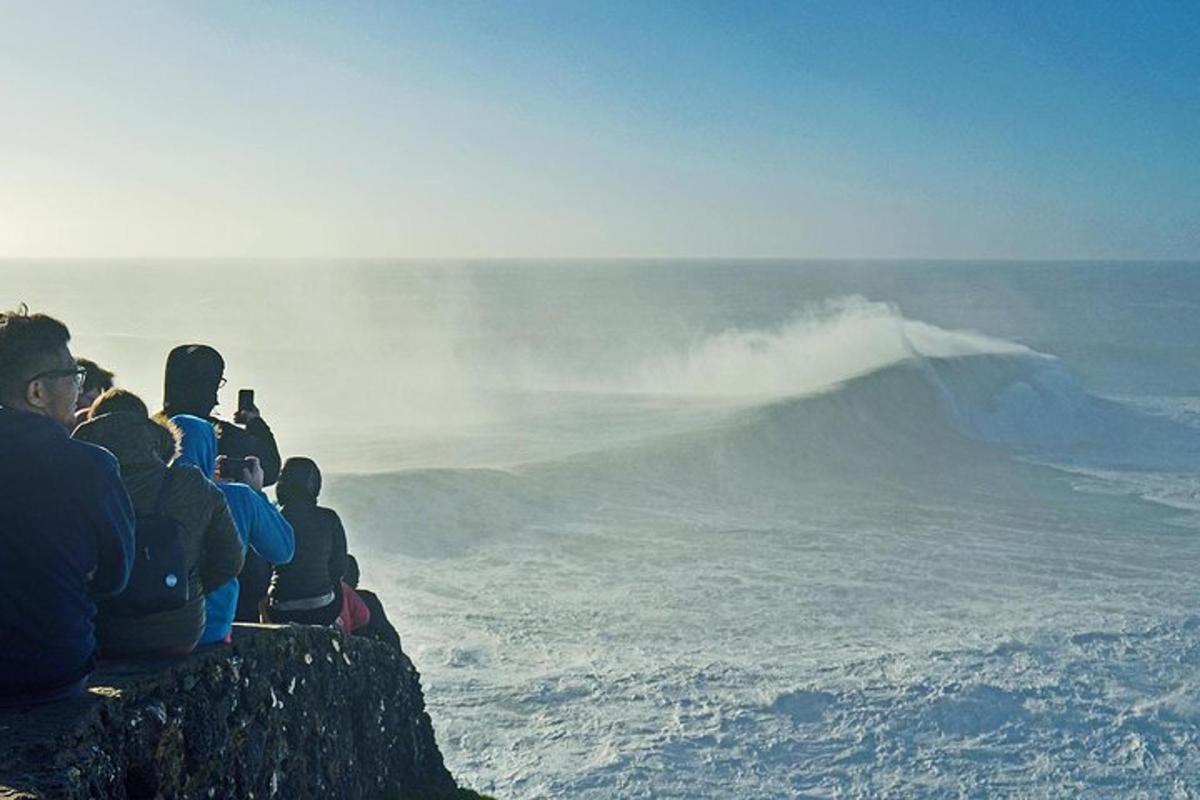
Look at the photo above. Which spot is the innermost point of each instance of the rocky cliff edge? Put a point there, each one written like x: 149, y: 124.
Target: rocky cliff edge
x: 288, y: 712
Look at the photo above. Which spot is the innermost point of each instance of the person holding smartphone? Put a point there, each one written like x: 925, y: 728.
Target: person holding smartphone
x: 194, y: 375
x: 262, y: 528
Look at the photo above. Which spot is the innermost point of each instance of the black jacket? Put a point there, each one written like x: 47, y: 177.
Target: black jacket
x: 320, y: 559
x: 255, y: 439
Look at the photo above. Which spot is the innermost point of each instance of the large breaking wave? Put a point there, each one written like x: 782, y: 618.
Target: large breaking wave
x: 838, y: 555
x: 851, y: 399
x: 816, y: 348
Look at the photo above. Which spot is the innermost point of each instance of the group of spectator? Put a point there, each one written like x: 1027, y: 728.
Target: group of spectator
x: 130, y: 535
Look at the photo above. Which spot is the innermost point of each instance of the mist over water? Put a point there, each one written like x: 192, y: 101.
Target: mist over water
x: 717, y: 529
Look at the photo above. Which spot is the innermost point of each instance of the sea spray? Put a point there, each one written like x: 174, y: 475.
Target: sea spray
x: 813, y: 350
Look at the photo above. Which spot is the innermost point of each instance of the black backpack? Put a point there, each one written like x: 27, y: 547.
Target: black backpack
x: 159, y: 580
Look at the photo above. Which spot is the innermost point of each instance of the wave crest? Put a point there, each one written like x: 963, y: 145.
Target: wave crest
x: 817, y: 349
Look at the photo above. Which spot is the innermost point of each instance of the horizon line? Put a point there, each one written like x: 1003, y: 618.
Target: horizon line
x: 622, y: 258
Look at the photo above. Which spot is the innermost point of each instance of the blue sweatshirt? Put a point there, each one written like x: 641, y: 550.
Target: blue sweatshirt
x: 66, y: 537
x: 259, y: 523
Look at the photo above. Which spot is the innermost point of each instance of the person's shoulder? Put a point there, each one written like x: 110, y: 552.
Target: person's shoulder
x: 328, y: 515
x: 191, y: 486
x: 235, y: 489
x: 23, y: 430
x: 89, y: 468
x: 188, y: 478
x: 86, y: 455
x: 186, y: 473
x: 227, y: 430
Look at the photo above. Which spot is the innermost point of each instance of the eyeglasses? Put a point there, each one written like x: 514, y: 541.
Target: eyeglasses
x: 79, y: 373
x: 221, y: 383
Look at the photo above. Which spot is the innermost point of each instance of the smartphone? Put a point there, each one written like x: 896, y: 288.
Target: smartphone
x: 233, y: 468
x: 245, y: 399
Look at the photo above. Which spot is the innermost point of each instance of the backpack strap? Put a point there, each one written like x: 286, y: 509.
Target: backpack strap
x: 162, y: 491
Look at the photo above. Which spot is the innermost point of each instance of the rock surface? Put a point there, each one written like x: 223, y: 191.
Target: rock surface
x: 289, y: 712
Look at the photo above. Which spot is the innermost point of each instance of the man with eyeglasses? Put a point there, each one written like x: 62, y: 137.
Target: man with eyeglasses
x: 195, y: 373
x: 66, y: 523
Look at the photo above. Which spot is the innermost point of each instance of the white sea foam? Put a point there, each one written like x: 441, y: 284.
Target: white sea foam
x: 816, y: 347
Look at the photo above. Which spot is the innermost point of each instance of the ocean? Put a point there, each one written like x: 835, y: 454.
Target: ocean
x: 738, y: 529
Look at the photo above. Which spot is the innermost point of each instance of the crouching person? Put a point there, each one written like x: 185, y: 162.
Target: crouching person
x: 66, y: 524
x: 187, y: 544
x: 362, y: 611
x: 258, y: 522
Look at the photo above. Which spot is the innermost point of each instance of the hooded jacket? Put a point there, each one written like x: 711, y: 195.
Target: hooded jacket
x: 320, y: 559
x: 191, y: 380
x: 258, y: 522
x: 66, y: 536
x: 211, y: 543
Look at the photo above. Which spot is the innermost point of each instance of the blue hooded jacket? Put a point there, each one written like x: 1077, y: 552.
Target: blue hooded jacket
x: 258, y: 522
x: 66, y: 537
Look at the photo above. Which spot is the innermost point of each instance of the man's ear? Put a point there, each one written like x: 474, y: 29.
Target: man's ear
x: 36, y: 395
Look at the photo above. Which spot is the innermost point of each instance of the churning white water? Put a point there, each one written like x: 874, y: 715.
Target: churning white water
x: 740, y: 530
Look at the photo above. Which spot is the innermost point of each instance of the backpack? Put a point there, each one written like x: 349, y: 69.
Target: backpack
x: 159, y: 580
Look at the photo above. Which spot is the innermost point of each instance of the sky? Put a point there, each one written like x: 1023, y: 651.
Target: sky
x: 600, y: 129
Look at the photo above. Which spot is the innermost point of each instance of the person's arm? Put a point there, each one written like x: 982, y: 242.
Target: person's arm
x: 221, y: 556
x: 271, y: 535
x: 265, y: 448
x: 114, y: 523
x: 337, y: 553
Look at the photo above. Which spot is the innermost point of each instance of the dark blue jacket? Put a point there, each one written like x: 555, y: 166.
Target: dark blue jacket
x: 66, y: 536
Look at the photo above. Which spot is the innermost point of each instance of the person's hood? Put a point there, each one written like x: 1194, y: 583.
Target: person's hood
x: 191, y: 380
x: 197, y: 442
x: 299, y: 481
x: 133, y: 438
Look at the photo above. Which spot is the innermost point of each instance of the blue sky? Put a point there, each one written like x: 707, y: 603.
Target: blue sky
x: 526, y: 129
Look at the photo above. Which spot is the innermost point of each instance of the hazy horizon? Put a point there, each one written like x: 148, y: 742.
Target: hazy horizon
x: 568, y: 260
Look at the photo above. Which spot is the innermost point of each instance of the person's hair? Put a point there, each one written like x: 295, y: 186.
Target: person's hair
x: 299, y: 481
x: 97, y: 376
x: 115, y: 401
x: 28, y: 345
x: 166, y: 435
